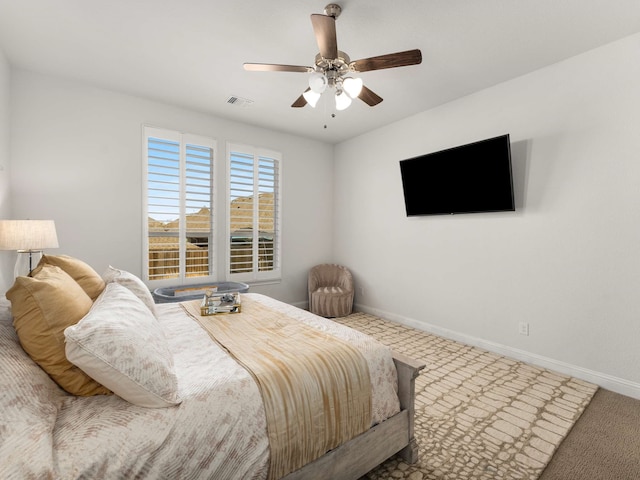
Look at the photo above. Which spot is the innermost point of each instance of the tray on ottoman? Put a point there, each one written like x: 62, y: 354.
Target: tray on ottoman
x: 216, y: 303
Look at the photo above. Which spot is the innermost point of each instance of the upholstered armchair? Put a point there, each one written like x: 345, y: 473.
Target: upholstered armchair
x: 330, y: 290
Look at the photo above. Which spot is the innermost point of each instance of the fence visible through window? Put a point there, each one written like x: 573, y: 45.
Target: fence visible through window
x: 179, y: 200
x: 253, y: 224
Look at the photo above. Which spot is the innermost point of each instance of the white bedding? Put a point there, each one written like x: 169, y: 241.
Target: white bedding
x: 218, y: 431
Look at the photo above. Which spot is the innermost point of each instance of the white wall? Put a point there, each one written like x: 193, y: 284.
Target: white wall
x: 566, y: 261
x: 77, y: 154
x: 7, y: 259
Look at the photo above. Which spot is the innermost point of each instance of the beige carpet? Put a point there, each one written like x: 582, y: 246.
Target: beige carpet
x: 479, y: 415
x: 604, y: 444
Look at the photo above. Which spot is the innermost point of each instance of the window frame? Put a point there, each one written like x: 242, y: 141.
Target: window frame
x: 183, y: 139
x: 255, y: 276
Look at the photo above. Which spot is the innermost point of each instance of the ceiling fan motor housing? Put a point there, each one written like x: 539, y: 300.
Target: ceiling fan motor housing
x: 340, y: 64
x: 333, y: 10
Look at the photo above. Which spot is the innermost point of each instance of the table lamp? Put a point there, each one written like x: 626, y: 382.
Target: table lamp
x: 27, y: 237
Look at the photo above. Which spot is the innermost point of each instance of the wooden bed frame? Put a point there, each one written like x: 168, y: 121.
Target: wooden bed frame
x: 355, y: 458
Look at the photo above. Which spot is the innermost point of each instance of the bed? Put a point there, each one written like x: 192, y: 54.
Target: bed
x: 204, y: 417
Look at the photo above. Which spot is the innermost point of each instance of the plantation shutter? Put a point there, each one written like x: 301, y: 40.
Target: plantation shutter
x: 163, y: 203
x: 254, y: 219
x: 179, y: 205
x: 198, y: 210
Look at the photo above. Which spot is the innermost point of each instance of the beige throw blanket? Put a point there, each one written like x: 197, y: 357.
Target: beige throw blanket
x: 315, y: 387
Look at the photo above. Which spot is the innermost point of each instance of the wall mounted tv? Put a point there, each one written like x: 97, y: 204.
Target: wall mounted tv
x: 470, y: 178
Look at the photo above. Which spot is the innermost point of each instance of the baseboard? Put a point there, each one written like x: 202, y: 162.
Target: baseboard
x: 615, y: 384
x: 302, y: 305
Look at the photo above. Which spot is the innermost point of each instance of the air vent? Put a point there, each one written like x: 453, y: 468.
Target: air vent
x: 239, y: 101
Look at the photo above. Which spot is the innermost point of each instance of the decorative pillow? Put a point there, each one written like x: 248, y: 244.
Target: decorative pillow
x: 42, y: 307
x: 90, y: 281
x: 120, y: 344
x: 133, y: 283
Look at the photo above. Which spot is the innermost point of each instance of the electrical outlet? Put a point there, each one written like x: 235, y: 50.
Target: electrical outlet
x: 362, y: 291
x: 523, y: 328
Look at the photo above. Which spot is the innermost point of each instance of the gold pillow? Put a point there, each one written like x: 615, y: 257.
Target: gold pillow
x: 90, y: 281
x: 42, y: 307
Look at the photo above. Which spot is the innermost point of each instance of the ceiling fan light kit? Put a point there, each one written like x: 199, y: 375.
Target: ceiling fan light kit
x: 318, y: 82
x: 332, y: 68
x: 342, y: 100
x: 311, y: 97
x: 353, y: 86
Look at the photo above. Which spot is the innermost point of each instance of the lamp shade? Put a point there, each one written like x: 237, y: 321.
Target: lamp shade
x: 27, y: 235
x: 342, y: 101
x: 318, y: 82
x: 311, y: 97
x: 353, y: 86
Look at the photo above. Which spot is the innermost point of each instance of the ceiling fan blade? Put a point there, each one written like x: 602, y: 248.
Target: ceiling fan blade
x: 324, y: 28
x: 369, y: 97
x: 270, y: 67
x: 300, y: 101
x: 391, y: 60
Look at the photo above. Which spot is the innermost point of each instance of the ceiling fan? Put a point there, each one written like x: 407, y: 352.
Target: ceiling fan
x: 333, y: 68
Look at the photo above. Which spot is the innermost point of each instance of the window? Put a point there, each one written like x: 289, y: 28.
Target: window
x: 254, y: 214
x: 179, y: 223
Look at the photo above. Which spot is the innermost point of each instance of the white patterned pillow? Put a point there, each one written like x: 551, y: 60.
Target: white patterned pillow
x: 120, y: 344
x: 133, y: 283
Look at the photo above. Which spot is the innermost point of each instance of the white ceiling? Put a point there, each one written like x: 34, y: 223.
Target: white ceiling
x: 190, y: 52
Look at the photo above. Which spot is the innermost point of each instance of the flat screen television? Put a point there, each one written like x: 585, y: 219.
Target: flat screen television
x: 470, y: 178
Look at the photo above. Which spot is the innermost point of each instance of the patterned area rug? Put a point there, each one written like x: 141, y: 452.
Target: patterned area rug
x: 479, y: 415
